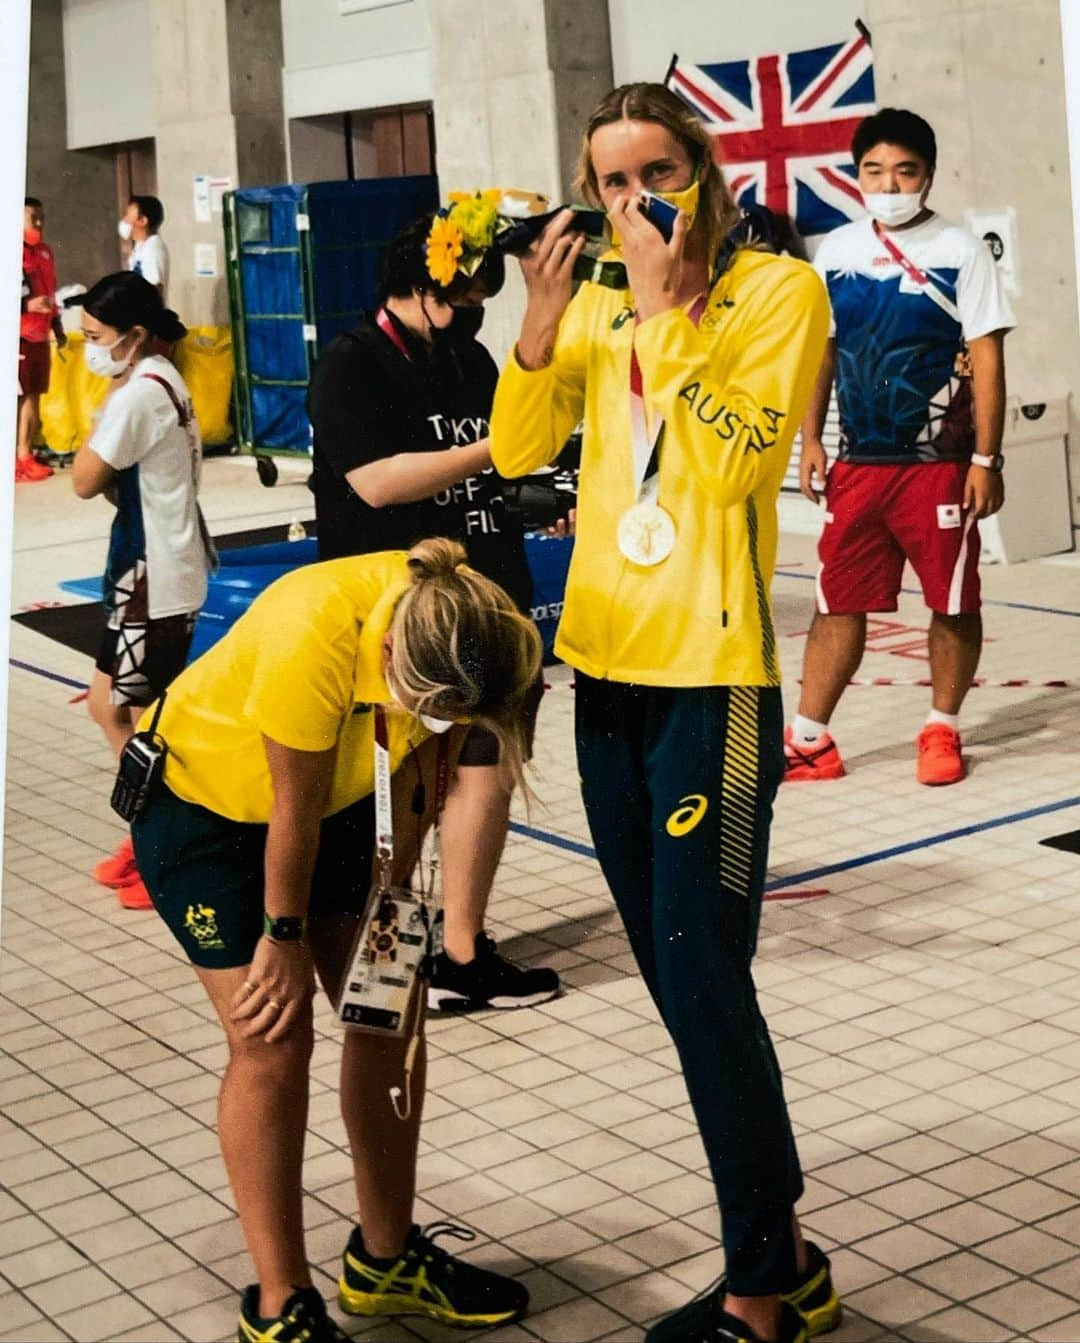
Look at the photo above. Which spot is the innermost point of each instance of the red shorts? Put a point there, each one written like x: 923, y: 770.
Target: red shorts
x: 879, y: 516
x: 35, y: 359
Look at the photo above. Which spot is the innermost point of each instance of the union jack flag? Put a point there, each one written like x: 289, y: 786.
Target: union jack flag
x: 783, y: 127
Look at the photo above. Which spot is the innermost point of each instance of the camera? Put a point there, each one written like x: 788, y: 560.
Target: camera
x: 518, y: 239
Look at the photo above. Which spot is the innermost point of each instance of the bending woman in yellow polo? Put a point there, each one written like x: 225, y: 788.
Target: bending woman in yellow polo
x: 257, y: 852
x: 691, y: 380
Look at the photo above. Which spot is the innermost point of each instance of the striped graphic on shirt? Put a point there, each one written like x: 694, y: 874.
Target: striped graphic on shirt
x: 768, y: 634
x: 738, y: 789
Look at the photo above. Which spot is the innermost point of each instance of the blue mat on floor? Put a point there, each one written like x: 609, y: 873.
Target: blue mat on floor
x: 246, y: 570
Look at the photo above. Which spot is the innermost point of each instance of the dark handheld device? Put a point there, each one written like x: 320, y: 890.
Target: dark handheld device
x: 521, y: 236
x: 662, y: 214
x: 142, y: 762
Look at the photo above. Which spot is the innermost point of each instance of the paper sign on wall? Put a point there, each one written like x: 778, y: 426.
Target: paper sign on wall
x: 218, y: 188
x: 202, y: 198
x: 206, y: 266
x: 997, y: 229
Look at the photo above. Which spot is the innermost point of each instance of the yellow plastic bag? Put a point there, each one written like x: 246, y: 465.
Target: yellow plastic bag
x: 205, y: 361
x: 74, y: 394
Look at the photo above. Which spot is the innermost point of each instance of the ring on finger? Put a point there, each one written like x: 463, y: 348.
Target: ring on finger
x: 248, y: 988
x: 273, y: 1002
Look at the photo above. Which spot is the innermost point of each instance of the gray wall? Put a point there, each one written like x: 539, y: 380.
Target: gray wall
x: 78, y: 187
x: 511, y: 92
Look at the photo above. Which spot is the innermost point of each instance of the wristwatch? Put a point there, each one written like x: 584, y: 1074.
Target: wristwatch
x: 994, y: 463
x: 284, y: 929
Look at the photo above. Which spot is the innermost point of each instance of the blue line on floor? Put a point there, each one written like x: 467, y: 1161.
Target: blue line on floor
x: 814, y: 873
x: 49, y: 676
x: 917, y: 592
x: 556, y: 841
x: 793, y: 879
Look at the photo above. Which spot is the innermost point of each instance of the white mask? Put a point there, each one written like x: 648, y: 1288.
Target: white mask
x: 123, y: 227
x: 99, y: 359
x: 436, y: 725
x: 893, y: 208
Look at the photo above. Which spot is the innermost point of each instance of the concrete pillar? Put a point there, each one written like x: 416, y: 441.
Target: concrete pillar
x: 78, y: 187
x: 218, y: 111
x: 989, y: 78
x: 512, y: 85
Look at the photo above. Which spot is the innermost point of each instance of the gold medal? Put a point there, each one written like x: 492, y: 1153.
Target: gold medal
x: 646, y: 533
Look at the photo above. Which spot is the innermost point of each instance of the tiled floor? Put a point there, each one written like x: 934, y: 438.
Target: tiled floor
x: 926, y: 1010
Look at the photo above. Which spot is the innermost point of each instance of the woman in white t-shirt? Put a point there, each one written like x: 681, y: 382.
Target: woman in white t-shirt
x: 145, y: 456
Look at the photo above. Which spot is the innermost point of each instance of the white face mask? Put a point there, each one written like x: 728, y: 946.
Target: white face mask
x: 123, y: 227
x: 893, y: 208
x: 99, y: 359
x: 436, y: 725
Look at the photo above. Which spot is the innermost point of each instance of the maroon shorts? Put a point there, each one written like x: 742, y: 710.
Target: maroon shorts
x: 35, y: 360
x: 879, y: 516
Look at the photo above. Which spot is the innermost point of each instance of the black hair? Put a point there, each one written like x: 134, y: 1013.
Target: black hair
x: 895, y: 126
x: 404, y: 268
x: 404, y: 263
x: 150, y: 209
x: 126, y: 300
x: 32, y: 202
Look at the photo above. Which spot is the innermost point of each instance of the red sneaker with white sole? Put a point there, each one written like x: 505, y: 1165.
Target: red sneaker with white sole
x: 119, y: 867
x: 820, y: 761
x: 940, y: 760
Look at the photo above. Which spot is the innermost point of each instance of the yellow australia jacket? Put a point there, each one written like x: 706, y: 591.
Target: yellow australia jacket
x: 731, y: 392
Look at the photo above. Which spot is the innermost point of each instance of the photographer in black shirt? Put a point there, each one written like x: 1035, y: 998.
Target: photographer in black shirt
x: 399, y: 407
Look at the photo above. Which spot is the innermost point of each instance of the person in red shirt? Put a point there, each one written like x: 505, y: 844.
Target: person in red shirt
x: 39, y: 315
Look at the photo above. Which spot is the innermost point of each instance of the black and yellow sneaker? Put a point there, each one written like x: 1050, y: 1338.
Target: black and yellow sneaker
x: 303, y: 1319
x: 426, y: 1280
x: 704, y: 1320
x: 814, y: 1297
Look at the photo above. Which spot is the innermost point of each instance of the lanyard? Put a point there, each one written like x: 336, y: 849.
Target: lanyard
x: 385, y: 324
x: 646, y: 447
x: 906, y: 265
x: 384, y: 809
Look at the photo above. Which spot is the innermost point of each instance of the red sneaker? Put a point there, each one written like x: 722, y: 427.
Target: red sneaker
x: 134, y: 895
x: 821, y: 761
x: 119, y: 868
x: 29, y: 468
x: 939, y: 758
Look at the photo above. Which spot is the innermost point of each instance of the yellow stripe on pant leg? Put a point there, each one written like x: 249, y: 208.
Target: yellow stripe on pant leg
x: 738, y: 789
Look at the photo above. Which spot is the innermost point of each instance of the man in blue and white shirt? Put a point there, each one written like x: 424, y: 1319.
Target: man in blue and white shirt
x: 916, y: 352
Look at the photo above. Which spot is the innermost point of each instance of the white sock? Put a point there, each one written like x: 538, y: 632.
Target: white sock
x: 949, y: 719
x: 806, y: 732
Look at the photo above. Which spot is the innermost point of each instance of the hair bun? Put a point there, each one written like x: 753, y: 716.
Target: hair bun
x: 435, y: 558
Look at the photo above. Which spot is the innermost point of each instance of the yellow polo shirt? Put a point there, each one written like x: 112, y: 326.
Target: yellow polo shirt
x: 302, y: 666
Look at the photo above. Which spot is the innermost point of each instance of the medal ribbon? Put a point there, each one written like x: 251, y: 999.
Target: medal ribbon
x: 646, y: 447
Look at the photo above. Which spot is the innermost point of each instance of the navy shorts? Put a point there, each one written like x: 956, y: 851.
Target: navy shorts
x: 205, y: 874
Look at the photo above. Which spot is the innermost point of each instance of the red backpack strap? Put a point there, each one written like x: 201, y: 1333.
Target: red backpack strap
x: 181, y: 412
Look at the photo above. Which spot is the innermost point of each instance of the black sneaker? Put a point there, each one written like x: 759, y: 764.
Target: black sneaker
x: 488, y: 980
x: 814, y: 1296
x: 704, y: 1320
x: 303, y: 1319
x: 426, y: 1280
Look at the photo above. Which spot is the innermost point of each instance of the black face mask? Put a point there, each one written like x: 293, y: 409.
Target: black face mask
x: 467, y: 322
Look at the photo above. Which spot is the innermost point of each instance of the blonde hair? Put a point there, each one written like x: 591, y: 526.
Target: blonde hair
x: 461, y: 648
x: 717, y: 213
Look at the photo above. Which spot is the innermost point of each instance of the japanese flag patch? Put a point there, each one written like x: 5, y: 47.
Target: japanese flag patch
x: 948, y: 516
